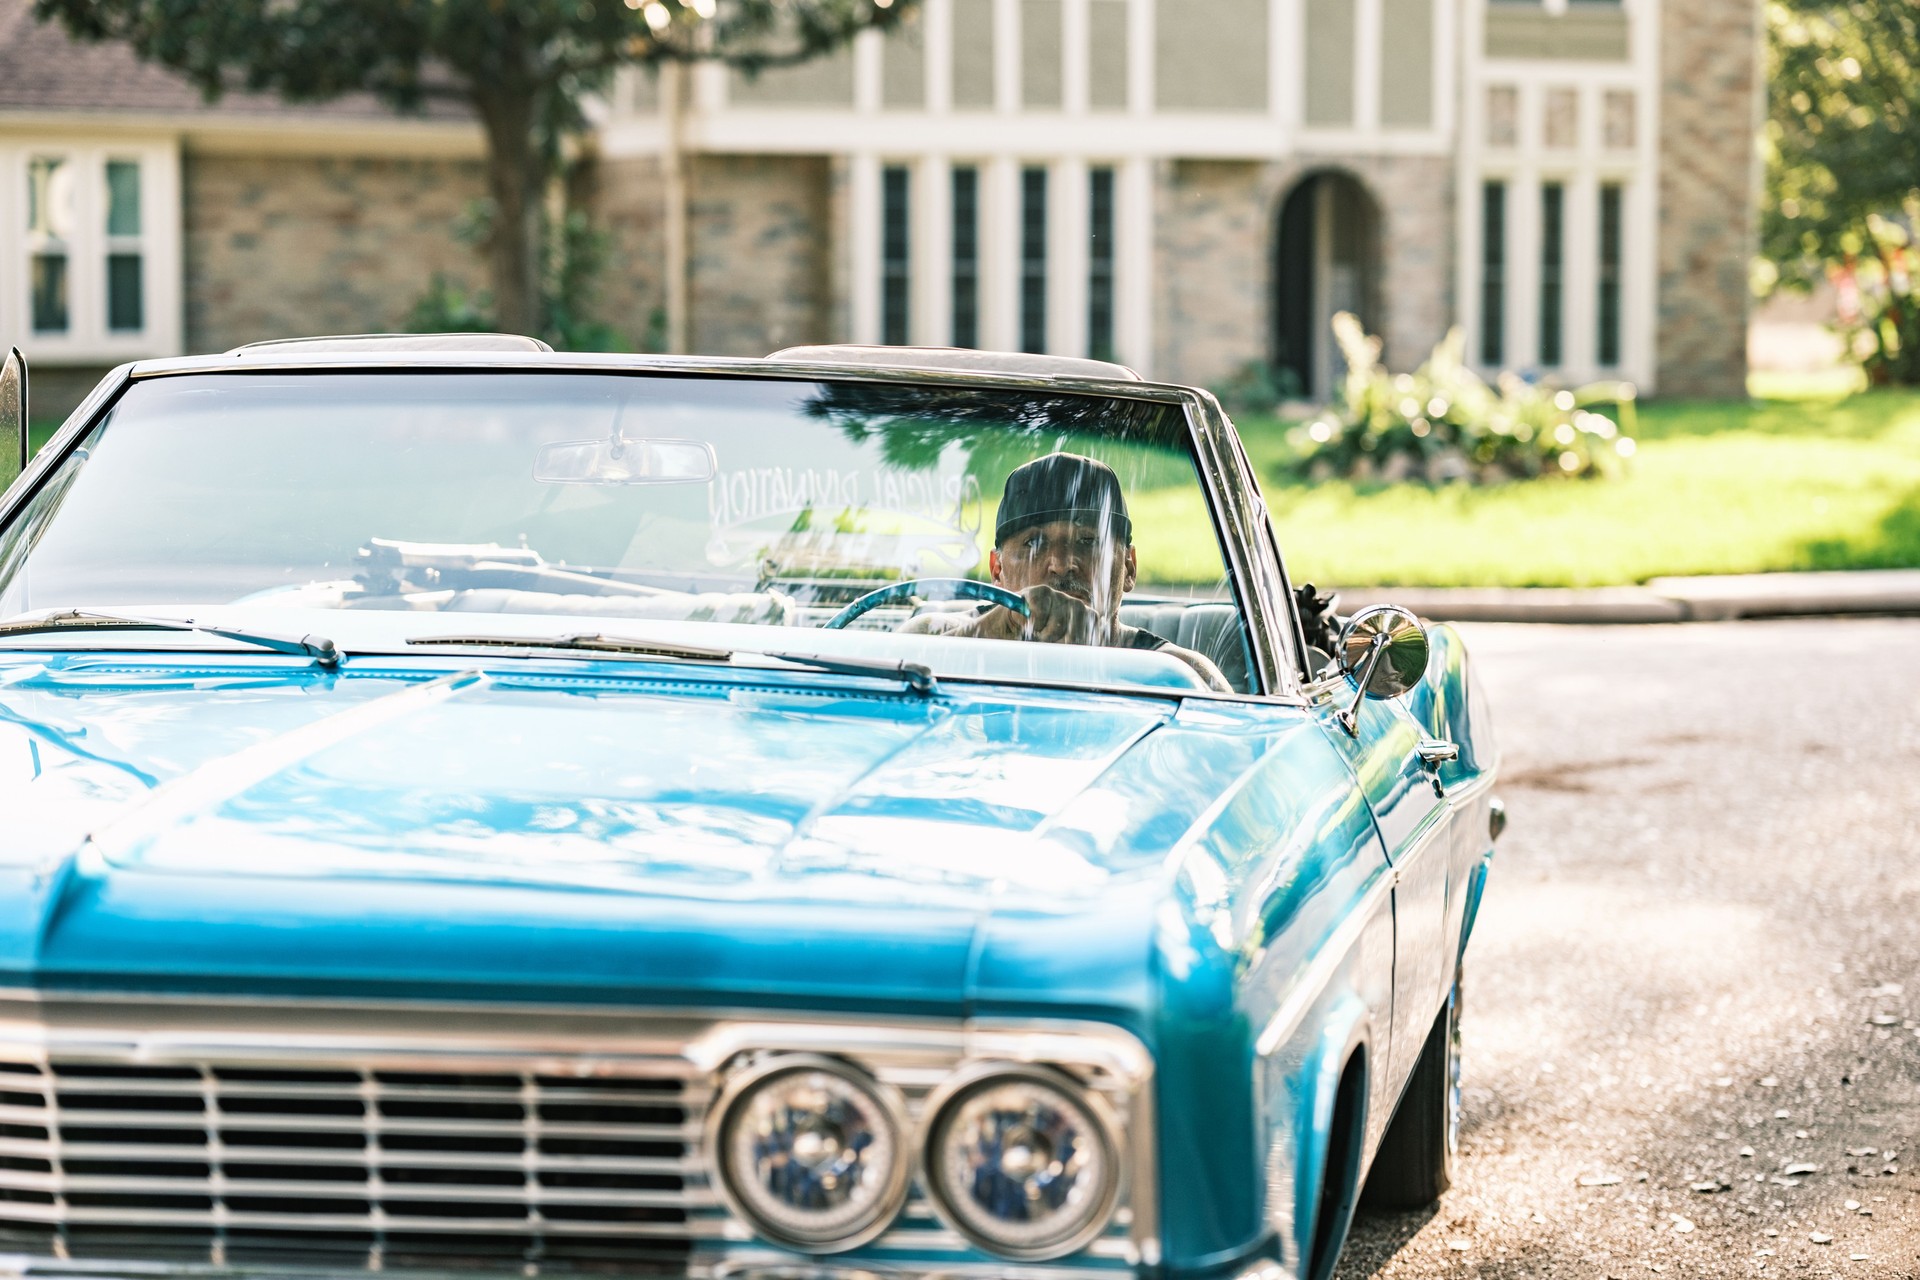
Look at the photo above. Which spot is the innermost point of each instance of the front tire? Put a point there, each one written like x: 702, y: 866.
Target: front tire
x: 1414, y: 1166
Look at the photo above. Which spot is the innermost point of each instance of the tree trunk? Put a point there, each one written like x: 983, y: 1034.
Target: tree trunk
x: 514, y: 182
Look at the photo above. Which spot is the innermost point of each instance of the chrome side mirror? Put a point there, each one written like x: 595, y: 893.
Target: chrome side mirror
x: 1383, y: 650
x: 13, y: 411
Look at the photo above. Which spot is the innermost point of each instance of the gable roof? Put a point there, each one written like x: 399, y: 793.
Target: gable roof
x: 43, y: 69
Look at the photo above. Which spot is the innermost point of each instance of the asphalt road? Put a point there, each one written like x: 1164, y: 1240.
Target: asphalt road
x: 1691, y: 1002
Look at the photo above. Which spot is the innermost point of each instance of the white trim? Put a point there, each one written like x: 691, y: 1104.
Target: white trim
x: 87, y: 340
x: 1133, y: 265
x: 1141, y: 56
x: 1446, y: 70
x: 863, y: 218
x: 1068, y: 259
x: 1000, y: 254
x: 1076, y: 26
x: 932, y: 249
x: 1006, y: 57
x: 1367, y: 38
x: 867, y: 87
x: 1169, y: 135
x: 1286, y: 64
x: 937, y: 25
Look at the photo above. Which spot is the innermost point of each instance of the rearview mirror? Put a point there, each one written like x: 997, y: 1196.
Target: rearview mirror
x: 13, y: 413
x: 617, y: 460
x: 1383, y: 650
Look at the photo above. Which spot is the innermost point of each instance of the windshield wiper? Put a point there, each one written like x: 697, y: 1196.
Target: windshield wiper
x: 319, y: 648
x: 916, y: 676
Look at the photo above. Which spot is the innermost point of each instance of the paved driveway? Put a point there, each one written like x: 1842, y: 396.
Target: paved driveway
x: 1692, y: 999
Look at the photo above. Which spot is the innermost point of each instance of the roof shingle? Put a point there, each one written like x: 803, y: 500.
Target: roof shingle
x: 42, y: 68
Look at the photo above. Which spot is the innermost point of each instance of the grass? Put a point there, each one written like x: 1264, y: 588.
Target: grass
x: 1808, y: 477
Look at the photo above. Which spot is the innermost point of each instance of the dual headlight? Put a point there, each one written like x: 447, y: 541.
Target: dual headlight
x: 816, y: 1155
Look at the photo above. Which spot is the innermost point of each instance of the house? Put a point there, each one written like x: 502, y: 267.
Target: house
x: 1190, y: 186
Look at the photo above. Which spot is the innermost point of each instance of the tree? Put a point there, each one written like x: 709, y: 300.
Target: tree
x: 523, y: 67
x: 1843, y: 161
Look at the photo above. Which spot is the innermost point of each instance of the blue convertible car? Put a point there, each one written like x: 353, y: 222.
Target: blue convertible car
x: 859, y: 813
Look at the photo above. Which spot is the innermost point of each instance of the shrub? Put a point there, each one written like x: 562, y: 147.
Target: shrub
x: 1444, y: 424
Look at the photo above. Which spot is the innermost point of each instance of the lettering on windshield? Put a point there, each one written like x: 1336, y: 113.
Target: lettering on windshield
x: 846, y: 520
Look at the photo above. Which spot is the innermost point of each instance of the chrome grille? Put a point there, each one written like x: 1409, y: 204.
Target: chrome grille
x: 372, y: 1164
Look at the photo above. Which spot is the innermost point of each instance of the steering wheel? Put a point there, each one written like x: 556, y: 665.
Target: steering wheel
x: 942, y: 589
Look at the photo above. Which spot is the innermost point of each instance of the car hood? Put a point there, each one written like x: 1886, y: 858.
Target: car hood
x: 598, y: 830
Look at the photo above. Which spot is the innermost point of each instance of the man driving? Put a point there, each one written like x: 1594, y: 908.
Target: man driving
x: 1064, y: 542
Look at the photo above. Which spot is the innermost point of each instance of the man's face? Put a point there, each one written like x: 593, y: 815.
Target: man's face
x: 1084, y: 561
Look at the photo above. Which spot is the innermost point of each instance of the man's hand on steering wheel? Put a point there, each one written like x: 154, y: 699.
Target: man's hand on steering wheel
x: 1058, y: 618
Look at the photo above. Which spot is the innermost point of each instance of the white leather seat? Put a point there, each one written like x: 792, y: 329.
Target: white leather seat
x: 1210, y: 628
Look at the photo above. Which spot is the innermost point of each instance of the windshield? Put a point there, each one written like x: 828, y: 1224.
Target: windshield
x: 918, y: 516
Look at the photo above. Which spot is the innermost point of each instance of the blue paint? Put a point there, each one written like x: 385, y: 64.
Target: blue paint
x: 621, y: 833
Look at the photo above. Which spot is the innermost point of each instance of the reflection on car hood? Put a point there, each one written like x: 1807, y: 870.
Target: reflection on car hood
x: 559, y: 825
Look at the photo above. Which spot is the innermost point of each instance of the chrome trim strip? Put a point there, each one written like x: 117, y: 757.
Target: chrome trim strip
x: 1318, y: 971
x: 1459, y: 792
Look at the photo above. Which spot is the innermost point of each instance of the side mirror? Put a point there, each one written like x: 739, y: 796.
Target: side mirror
x: 1383, y: 650
x: 13, y: 411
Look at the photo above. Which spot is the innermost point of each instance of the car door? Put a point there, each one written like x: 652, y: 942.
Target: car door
x: 1383, y: 757
x: 1388, y: 752
x: 1385, y: 753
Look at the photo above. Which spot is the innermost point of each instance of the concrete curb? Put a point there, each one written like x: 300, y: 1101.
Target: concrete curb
x: 1702, y: 599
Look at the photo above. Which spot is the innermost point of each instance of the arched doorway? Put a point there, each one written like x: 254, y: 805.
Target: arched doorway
x: 1326, y: 259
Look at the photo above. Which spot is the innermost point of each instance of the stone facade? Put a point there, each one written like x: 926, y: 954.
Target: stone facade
x: 1216, y: 223
x: 761, y: 260
x: 627, y: 206
x: 1709, y: 176
x: 281, y: 246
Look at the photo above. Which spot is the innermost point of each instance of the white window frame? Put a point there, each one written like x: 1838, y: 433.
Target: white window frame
x: 87, y: 339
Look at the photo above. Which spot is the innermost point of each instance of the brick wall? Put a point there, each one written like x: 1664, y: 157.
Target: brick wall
x: 1216, y: 222
x: 286, y: 246
x: 1709, y: 110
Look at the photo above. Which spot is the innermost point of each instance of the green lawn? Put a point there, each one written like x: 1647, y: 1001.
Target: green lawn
x: 1809, y: 478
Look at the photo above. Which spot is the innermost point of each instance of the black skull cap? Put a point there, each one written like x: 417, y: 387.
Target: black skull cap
x: 1062, y: 486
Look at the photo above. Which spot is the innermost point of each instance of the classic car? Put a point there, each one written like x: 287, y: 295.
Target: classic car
x: 860, y: 812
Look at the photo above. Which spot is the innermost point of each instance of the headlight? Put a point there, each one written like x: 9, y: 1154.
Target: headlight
x: 810, y: 1153
x: 1023, y: 1162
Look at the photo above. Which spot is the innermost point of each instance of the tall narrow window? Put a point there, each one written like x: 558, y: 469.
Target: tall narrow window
x: 1033, y: 259
x: 1607, y: 340
x: 49, y: 233
x: 126, y: 301
x: 896, y: 262
x: 1493, y: 273
x: 966, y: 256
x: 1100, y: 252
x: 1553, y: 220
